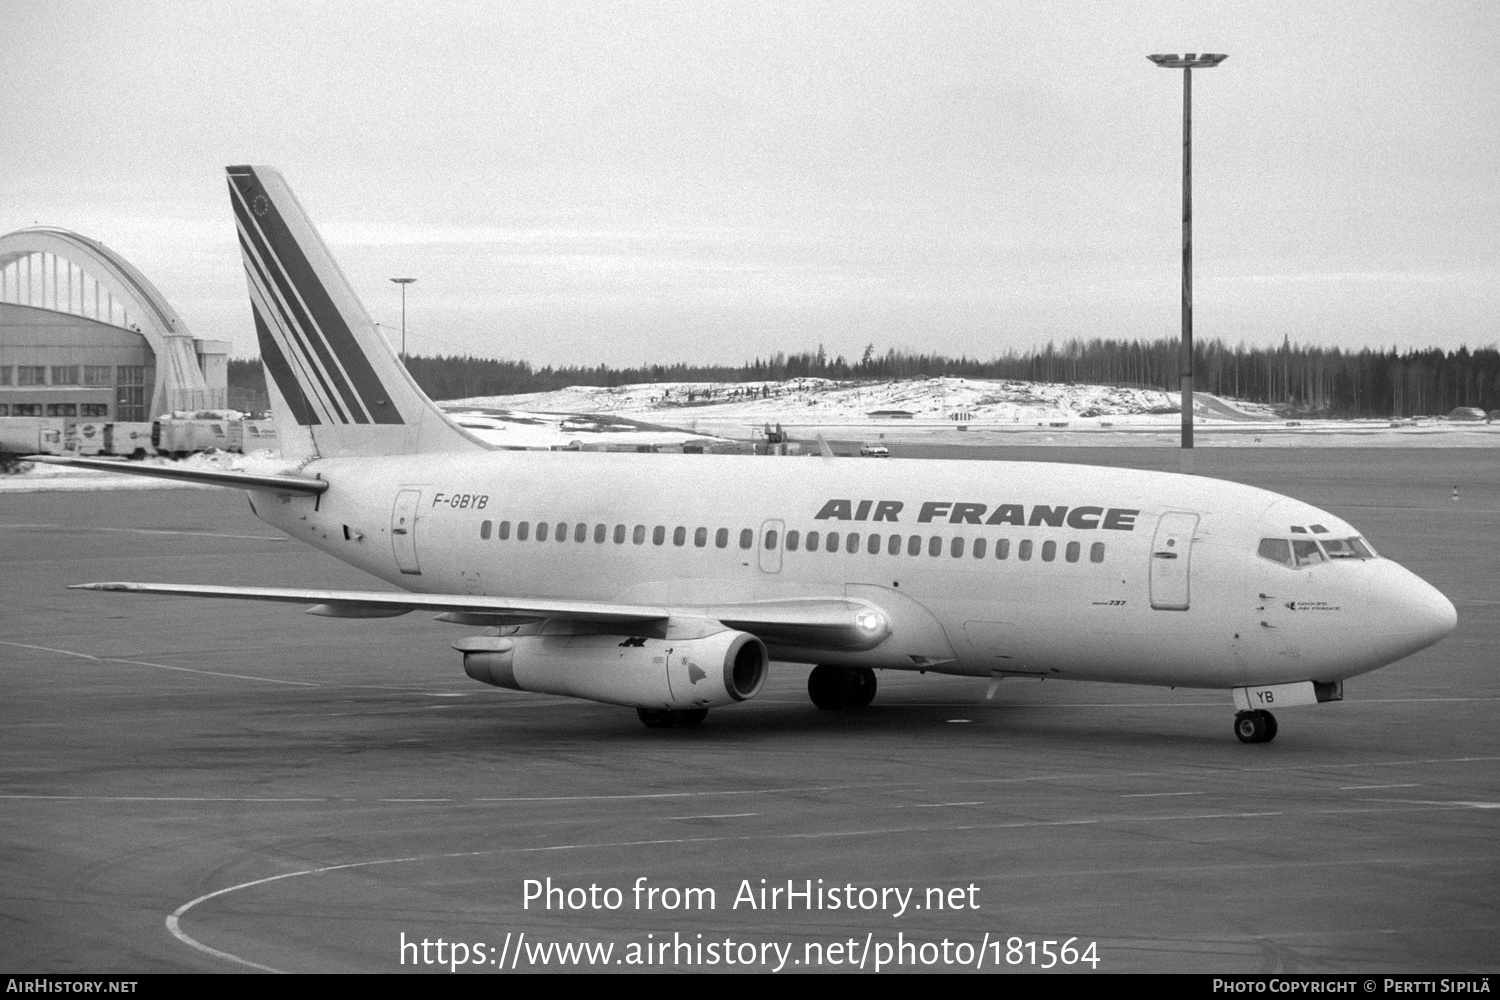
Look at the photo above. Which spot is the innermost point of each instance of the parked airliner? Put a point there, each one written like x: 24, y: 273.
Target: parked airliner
x: 669, y: 583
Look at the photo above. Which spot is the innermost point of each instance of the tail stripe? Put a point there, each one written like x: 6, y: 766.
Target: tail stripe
x: 305, y: 362
x: 315, y: 313
x: 306, y: 382
x: 302, y: 335
x: 275, y: 362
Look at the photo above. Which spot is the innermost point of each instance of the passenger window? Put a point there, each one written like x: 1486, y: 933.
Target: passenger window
x: 893, y: 546
x: 914, y: 545
x: 979, y: 546
x: 541, y: 531
x: 851, y: 542
x: 521, y: 530
x: 793, y: 538
x: 1277, y: 550
x: 700, y: 537
x: 957, y: 548
x: 747, y: 538
x: 1307, y: 552
x: 935, y: 545
x: 619, y: 534
x: 600, y: 531
x: 721, y: 538
x: 581, y: 533
x: 679, y: 536
x: 771, y: 539
x: 658, y: 535
x: 1025, y: 551
x: 1096, y: 552
x: 812, y: 541
x: 1049, y: 551
x: 873, y: 545
x: 504, y: 530
x: 832, y: 544
x: 562, y: 533
x: 638, y: 536
x: 1073, y: 549
x: 484, y: 530
x: 1002, y: 549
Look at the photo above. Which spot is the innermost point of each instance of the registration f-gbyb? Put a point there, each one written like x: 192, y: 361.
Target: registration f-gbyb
x: 668, y: 583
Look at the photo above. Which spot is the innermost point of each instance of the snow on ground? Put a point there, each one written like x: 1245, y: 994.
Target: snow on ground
x: 671, y: 415
x: 814, y: 401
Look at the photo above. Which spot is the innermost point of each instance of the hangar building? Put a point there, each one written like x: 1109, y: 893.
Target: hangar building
x: 84, y: 334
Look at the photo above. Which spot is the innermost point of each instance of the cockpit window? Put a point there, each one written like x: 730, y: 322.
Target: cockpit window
x: 1348, y: 548
x: 1277, y: 550
x: 1307, y: 552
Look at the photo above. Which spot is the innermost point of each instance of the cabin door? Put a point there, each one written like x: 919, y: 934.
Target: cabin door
x: 404, y: 531
x: 1171, y: 561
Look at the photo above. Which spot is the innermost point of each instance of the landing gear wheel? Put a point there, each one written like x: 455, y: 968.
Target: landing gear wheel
x: 829, y: 687
x: 689, y: 716
x: 863, y: 688
x: 1251, y: 727
x: 1270, y: 725
x: 656, y: 718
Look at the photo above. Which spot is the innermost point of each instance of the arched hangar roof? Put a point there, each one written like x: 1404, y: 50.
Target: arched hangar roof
x: 115, y: 282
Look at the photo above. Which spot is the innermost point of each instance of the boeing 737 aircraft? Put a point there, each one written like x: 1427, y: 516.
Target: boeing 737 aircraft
x: 668, y: 583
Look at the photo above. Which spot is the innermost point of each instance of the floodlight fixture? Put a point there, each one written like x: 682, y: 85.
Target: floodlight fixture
x: 403, y: 282
x: 1187, y: 63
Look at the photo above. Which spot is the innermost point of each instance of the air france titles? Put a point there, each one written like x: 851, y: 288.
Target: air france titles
x: 959, y: 512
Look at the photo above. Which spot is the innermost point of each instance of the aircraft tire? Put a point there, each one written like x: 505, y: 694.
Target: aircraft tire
x: 689, y: 716
x: 1250, y: 727
x: 830, y: 687
x: 863, y: 687
x: 656, y: 718
x: 1270, y: 725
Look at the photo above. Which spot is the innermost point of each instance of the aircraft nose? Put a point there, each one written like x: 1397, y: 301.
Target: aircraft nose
x: 1416, y: 614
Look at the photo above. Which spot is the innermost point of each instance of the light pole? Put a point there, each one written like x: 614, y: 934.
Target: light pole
x: 403, y: 282
x: 1187, y: 64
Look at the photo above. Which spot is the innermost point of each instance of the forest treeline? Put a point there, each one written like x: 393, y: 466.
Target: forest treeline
x: 1305, y: 380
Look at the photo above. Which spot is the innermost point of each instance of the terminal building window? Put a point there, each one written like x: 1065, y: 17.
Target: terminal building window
x: 31, y: 374
x: 97, y: 375
x: 5, y: 374
x: 64, y: 374
x: 130, y: 397
x: 94, y: 409
x: 26, y: 409
x: 62, y: 409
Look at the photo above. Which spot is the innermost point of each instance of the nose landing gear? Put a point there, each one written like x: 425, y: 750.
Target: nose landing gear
x: 1258, y: 726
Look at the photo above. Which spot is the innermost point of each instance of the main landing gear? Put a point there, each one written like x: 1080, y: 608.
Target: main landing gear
x: 666, y: 718
x: 1258, y: 726
x: 841, y: 687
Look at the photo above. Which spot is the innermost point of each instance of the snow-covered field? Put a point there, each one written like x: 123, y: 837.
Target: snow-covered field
x: 930, y: 411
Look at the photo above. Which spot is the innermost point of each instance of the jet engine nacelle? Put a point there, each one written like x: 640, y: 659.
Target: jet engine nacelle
x: 704, y: 672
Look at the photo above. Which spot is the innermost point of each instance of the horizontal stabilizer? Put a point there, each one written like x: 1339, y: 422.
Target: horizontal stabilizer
x: 825, y: 623
x: 204, y: 477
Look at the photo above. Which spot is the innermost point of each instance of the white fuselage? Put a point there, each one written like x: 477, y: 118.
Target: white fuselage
x: 1111, y: 575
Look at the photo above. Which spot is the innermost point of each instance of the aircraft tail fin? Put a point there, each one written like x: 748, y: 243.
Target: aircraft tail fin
x: 336, y: 387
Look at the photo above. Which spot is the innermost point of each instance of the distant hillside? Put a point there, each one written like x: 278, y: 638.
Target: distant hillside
x: 1307, y: 380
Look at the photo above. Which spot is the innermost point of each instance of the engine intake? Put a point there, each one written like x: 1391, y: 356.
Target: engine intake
x: 718, y: 669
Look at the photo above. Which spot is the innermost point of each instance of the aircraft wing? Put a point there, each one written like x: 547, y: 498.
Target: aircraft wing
x: 205, y: 477
x: 832, y: 623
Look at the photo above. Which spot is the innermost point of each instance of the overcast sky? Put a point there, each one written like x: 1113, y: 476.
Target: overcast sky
x: 643, y: 182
